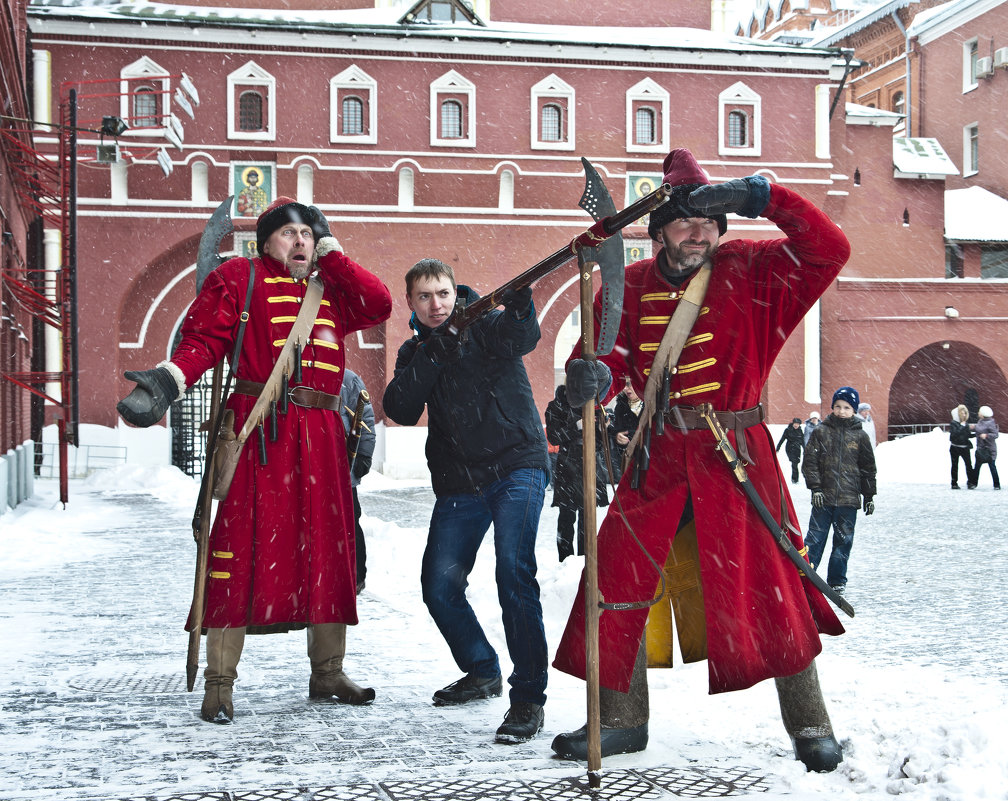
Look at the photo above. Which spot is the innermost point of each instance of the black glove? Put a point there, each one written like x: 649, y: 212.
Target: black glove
x: 442, y: 346
x: 362, y: 466
x: 318, y: 223
x: 744, y: 196
x: 869, y: 506
x: 148, y: 402
x: 518, y: 302
x: 818, y: 499
x: 586, y: 380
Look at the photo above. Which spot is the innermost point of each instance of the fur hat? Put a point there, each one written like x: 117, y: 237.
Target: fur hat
x: 848, y: 394
x: 682, y: 171
x: 281, y: 211
x: 985, y: 411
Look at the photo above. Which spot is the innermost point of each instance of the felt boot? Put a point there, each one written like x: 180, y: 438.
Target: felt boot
x: 807, y: 722
x: 326, y: 649
x: 223, y: 650
x: 624, y: 718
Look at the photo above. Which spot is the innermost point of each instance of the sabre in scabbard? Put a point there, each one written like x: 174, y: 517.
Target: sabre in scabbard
x: 356, y: 425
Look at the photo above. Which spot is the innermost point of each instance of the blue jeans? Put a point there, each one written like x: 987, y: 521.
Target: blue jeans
x: 458, y: 523
x: 842, y: 519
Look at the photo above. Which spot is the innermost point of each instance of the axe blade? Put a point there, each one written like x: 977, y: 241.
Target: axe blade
x: 208, y: 256
x: 597, y: 201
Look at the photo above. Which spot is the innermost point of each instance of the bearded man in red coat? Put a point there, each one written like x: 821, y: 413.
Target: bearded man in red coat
x: 760, y: 617
x: 281, y: 551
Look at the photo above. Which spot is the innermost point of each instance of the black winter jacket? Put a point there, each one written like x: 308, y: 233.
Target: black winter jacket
x: 482, y: 422
x: 562, y: 430
x: 793, y: 440
x: 840, y: 461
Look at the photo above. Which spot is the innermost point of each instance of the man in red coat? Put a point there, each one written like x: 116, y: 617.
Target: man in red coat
x: 762, y: 618
x: 281, y: 553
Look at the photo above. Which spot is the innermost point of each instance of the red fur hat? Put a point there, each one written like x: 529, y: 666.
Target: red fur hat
x: 685, y: 175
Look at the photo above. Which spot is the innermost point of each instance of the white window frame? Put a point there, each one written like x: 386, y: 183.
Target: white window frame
x: 647, y: 92
x: 552, y: 90
x: 156, y: 76
x: 739, y: 97
x: 251, y: 74
x: 970, y: 54
x: 360, y: 83
x: 968, y: 136
x: 454, y: 85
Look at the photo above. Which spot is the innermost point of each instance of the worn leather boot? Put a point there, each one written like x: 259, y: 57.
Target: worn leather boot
x: 807, y: 722
x: 624, y: 718
x: 223, y: 650
x: 326, y: 649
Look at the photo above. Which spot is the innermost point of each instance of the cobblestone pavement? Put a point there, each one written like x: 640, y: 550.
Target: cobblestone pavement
x: 95, y: 707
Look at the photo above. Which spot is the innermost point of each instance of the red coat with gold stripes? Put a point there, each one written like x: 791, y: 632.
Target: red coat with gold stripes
x: 762, y: 618
x: 282, y: 544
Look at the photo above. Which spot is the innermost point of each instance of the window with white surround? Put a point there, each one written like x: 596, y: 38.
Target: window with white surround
x: 199, y: 182
x: 971, y: 149
x: 739, y: 112
x: 452, y: 111
x: 251, y: 103
x: 552, y: 114
x: 406, y: 188
x: 353, y: 107
x: 305, y: 184
x: 505, y: 192
x: 647, y: 118
x: 145, y: 95
x: 971, y: 51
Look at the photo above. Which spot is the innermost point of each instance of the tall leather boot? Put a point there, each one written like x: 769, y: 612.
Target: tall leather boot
x: 223, y: 650
x: 624, y: 718
x: 807, y: 722
x: 326, y: 649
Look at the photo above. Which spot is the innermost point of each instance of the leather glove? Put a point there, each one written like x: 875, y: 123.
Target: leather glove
x: 318, y: 223
x: 818, y: 499
x: 362, y: 466
x: 518, y: 302
x: 869, y: 506
x: 746, y: 197
x: 148, y: 402
x: 442, y: 346
x: 586, y: 380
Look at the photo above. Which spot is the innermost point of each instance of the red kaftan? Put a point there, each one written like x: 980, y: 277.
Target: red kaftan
x: 762, y: 618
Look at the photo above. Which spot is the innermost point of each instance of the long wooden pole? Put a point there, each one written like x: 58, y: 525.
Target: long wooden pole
x: 594, y: 731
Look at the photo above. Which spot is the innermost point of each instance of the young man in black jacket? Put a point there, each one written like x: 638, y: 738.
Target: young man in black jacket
x: 488, y: 461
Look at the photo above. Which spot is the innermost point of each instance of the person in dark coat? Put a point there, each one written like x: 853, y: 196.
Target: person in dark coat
x: 486, y: 451
x: 960, y: 445
x: 353, y: 386
x: 793, y: 440
x: 986, y: 430
x: 839, y: 469
x: 564, y: 428
x: 626, y: 414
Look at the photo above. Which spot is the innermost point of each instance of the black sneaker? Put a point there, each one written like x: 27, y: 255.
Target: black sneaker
x: 838, y: 589
x: 521, y: 723
x: 468, y: 688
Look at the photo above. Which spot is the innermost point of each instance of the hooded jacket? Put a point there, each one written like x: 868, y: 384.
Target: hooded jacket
x: 959, y: 433
x: 840, y: 462
x: 482, y: 422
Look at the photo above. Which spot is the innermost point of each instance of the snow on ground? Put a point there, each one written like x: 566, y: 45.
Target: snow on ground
x: 916, y: 689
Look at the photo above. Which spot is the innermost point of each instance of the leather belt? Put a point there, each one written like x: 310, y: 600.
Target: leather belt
x: 299, y: 396
x: 687, y: 418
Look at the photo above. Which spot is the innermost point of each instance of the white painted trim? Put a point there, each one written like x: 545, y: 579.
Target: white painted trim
x: 650, y: 92
x: 149, y: 314
x: 353, y: 77
x: 741, y: 96
x: 548, y: 88
x: 452, y: 83
x: 251, y: 74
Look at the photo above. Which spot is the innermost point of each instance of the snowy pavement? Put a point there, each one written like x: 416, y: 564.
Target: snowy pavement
x: 92, y: 688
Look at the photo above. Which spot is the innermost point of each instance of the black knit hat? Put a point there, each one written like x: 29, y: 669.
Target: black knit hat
x: 280, y: 211
x: 685, y: 175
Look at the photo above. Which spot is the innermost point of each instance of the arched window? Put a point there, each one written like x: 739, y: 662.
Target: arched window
x: 250, y: 111
x: 144, y: 108
x: 552, y: 123
x: 738, y: 129
x: 451, y: 119
x: 352, y: 116
x: 898, y: 104
x: 645, y: 130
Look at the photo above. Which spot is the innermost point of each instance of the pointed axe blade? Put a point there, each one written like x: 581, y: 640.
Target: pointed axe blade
x: 208, y: 256
x: 597, y: 201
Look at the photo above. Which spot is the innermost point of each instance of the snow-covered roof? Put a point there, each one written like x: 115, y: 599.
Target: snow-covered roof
x: 975, y: 215
x: 866, y: 115
x: 921, y: 157
x: 386, y: 20
x: 867, y: 17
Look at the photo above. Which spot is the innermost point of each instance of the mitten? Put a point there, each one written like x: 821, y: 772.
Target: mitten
x: 746, y: 197
x: 318, y: 223
x: 586, y: 380
x: 818, y: 499
x: 518, y: 302
x: 148, y: 402
x: 869, y: 506
x: 443, y: 347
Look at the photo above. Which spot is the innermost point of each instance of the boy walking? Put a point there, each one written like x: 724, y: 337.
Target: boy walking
x: 839, y: 469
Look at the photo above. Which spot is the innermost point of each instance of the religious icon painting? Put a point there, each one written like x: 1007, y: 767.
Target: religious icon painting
x: 254, y: 187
